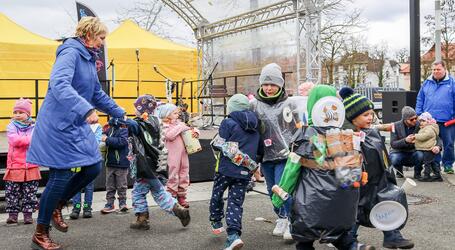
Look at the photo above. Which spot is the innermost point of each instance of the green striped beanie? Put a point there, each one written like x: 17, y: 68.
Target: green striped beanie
x: 355, y: 105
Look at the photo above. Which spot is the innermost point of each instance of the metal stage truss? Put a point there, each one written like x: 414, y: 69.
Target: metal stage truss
x: 307, y: 16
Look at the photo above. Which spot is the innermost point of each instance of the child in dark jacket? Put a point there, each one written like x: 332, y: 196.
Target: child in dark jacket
x: 359, y: 112
x: 148, y: 161
x: 234, y: 169
x: 117, y: 164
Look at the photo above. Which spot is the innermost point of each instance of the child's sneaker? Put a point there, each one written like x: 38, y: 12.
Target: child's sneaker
x: 123, y: 208
x: 108, y: 208
x: 233, y: 242
x: 287, y: 233
x: 87, y: 211
x: 280, y: 227
x: 12, y: 219
x: 75, y: 212
x: 448, y: 169
x: 28, y: 219
x: 217, y: 227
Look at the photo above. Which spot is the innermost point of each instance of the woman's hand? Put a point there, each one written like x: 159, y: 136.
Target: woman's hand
x: 92, y: 118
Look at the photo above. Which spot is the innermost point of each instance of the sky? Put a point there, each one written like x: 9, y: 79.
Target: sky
x: 388, y: 20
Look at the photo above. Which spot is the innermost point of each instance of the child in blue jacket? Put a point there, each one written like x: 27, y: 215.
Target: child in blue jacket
x: 234, y: 171
x: 117, y: 164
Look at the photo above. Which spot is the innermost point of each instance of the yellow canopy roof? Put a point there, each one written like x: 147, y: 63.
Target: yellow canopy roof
x: 15, y: 34
x: 24, y: 54
x: 130, y: 35
x: 173, y: 60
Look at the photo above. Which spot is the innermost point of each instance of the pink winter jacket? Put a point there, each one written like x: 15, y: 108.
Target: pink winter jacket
x: 173, y: 139
x: 19, y: 141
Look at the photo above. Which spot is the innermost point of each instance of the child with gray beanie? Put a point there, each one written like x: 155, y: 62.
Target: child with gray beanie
x: 279, y: 117
x: 240, y: 128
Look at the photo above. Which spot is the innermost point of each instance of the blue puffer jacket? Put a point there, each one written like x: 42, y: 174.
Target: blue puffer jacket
x: 62, y: 139
x: 241, y: 127
x: 437, y: 98
x: 117, y: 144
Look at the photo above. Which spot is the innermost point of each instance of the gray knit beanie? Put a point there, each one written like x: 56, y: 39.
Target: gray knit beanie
x: 271, y: 73
x: 238, y: 102
x: 407, y: 112
x: 166, y: 109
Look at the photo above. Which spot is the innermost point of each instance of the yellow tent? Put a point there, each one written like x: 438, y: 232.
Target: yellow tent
x: 23, y: 55
x: 173, y: 60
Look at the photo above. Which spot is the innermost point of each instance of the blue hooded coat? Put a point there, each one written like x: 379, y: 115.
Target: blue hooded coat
x: 62, y: 138
x: 241, y: 127
x: 437, y: 98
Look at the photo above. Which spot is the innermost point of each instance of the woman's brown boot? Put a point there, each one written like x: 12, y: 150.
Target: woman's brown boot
x: 41, y: 240
x: 57, y: 218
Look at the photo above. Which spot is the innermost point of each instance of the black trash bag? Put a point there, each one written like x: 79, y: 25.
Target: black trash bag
x: 322, y: 210
x: 382, y: 184
x: 146, y: 149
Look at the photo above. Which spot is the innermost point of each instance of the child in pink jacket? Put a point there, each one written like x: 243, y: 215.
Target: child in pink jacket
x: 21, y: 178
x: 178, y: 163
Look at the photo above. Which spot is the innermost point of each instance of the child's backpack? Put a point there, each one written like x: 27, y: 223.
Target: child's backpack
x: 145, y: 149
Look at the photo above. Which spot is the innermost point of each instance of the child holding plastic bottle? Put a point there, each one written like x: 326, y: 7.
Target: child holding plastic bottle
x: 21, y: 178
x: 178, y: 162
x: 145, y: 155
x: 239, y: 145
x: 277, y: 115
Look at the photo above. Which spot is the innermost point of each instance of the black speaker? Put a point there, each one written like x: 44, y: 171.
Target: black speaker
x: 202, y: 164
x: 394, y: 101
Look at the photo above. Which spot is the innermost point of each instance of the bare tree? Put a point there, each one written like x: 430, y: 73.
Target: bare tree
x: 355, y: 60
x: 333, y: 35
x: 448, y: 28
x: 402, y: 55
x: 377, y: 62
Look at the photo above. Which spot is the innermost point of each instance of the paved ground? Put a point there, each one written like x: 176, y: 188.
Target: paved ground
x: 430, y: 225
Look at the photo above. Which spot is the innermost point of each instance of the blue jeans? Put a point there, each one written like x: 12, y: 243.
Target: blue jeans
x: 88, y: 195
x: 272, y: 172
x: 61, y: 186
x: 141, y: 188
x: 447, y: 135
x: 399, y: 159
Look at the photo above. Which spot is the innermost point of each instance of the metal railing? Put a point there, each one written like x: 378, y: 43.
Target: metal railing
x: 234, y: 84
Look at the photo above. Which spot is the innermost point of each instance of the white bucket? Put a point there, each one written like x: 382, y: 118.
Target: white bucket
x: 388, y: 215
x: 408, y: 184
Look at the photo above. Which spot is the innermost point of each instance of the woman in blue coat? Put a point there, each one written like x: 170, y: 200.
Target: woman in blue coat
x: 62, y: 138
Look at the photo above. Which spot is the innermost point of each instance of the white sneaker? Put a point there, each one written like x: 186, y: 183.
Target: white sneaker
x: 280, y: 227
x: 287, y: 233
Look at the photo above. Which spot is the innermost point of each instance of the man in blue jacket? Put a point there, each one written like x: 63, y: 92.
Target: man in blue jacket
x: 437, y: 97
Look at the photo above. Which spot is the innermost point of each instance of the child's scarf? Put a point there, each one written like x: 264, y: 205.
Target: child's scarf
x: 23, y: 125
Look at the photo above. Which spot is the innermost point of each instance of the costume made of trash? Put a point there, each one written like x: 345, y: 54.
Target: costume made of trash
x: 382, y: 184
x: 280, y: 119
x: 323, y: 173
